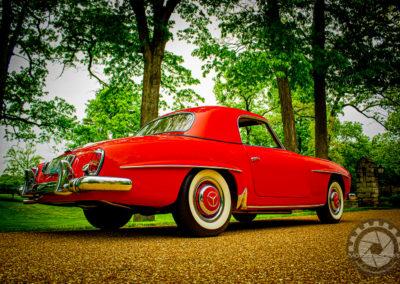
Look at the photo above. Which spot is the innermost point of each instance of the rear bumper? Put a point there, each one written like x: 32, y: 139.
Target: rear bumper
x: 67, y: 184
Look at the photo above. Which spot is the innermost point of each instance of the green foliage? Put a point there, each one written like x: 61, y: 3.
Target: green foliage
x: 175, y: 80
x: 27, y: 45
x: 348, y: 145
x: 20, y: 158
x: 9, y: 184
x: 105, y: 33
x: 364, y: 60
x: 114, y: 113
x: 385, y: 151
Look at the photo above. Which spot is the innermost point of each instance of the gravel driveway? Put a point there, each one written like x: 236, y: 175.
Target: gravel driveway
x: 291, y: 249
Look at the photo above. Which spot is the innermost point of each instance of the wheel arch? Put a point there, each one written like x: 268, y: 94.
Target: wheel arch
x: 338, y: 178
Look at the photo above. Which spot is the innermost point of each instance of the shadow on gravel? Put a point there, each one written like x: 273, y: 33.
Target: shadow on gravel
x: 271, y: 223
x: 168, y: 231
x: 174, y: 232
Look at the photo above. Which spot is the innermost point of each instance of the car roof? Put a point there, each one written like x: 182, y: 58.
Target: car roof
x: 217, y: 122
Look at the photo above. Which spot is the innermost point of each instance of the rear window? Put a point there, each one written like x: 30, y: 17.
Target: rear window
x: 172, y: 123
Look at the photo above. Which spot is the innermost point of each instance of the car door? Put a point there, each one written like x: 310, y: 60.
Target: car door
x: 276, y: 172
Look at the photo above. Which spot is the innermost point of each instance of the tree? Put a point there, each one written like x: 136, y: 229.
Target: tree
x: 18, y: 159
x: 256, y: 30
x: 355, y: 59
x: 27, y: 36
x: 319, y: 74
x: 385, y: 151
x: 114, y: 113
x: 128, y: 38
x: 153, y: 42
x: 9, y: 184
x: 366, y: 74
x: 348, y: 146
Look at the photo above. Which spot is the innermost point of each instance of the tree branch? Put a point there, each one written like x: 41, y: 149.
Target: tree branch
x: 27, y: 121
x: 169, y: 8
x: 138, y: 7
x: 367, y: 116
x: 16, y: 32
x: 90, y: 68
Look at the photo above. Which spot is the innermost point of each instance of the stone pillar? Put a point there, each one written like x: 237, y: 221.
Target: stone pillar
x: 367, y: 183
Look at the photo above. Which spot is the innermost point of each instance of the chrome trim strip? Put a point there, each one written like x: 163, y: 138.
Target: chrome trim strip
x: 179, y: 166
x: 329, y: 172
x: 286, y: 206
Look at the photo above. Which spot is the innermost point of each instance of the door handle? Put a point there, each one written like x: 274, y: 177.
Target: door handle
x: 253, y: 159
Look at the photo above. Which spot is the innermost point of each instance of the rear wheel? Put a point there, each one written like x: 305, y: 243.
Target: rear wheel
x: 204, y: 204
x: 333, y: 210
x: 244, y: 217
x: 107, y: 218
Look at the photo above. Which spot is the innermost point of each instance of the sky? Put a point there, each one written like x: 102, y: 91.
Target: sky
x: 77, y: 88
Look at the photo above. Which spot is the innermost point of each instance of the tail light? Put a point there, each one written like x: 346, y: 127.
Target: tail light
x: 95, y: 163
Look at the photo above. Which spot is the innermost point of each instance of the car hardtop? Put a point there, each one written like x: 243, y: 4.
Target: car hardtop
x: 216, y: 122
x: 210, y: 122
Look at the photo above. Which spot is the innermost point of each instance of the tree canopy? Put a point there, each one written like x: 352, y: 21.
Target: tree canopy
x: 27, y: 41
x: 21, y: 158
x: 312, y: 46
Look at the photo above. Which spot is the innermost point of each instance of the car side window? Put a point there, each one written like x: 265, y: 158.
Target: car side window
x: 256, y: 133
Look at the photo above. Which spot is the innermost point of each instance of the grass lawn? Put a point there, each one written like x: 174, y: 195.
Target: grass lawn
x: 16, y: 217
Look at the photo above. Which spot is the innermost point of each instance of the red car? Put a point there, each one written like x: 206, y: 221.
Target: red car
x: 202, y: 164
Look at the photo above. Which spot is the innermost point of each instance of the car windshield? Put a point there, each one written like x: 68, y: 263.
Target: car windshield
x: 173, y: 123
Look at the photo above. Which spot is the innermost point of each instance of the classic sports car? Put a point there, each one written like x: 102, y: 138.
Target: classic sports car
x: 202, y: 164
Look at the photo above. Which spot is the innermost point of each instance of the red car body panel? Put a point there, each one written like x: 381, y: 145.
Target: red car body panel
x: 157, y: 166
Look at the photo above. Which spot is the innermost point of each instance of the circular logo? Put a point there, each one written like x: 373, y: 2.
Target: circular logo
x: 212, y: 198
x: 374, y: 246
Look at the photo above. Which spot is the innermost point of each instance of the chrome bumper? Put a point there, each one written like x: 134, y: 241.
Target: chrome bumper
x: 67, y: 184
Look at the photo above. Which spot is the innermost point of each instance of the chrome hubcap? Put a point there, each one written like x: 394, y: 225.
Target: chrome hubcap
x: 208, y: 200
x: 335, y: 201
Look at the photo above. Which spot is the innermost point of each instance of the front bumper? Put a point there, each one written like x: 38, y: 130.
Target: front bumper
x: 67, y: 184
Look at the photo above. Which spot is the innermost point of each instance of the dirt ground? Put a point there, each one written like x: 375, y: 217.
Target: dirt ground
x: 296, y: 249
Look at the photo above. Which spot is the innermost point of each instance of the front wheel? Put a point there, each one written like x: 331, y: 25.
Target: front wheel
x: 204, y: 204
x: 107, y: 218
x: 333, y: 210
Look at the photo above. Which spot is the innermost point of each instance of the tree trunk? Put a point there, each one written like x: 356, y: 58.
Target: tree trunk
x: 321, y: 129
x: 319, y: 74
x: 289, y: 127
x: 153, y: 48
x: 273, y: 21
x: 151, y: 85
x: 5, y: 55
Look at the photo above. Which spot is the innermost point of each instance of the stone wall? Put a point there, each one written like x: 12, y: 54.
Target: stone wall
x: 389, y: 190
x: 367, y: 183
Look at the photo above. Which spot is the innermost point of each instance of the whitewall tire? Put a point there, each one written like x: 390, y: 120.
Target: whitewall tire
x: 204, y: 205
x: 332, y: 212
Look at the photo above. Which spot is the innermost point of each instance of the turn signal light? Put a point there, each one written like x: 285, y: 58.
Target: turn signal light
x: 95, y: 163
